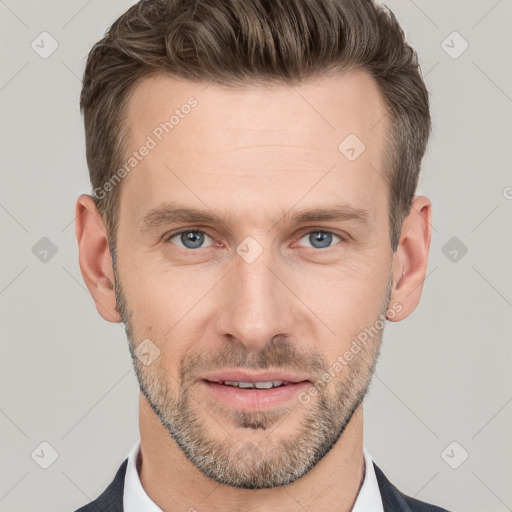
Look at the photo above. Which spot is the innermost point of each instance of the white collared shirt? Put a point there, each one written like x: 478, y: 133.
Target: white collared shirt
x: 135, y: 498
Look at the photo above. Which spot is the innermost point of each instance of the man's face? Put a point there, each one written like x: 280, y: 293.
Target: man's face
x: 260, y: 289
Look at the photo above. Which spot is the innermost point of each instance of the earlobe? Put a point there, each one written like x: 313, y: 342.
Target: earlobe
x: 411, y: 258
x: 94, y: 257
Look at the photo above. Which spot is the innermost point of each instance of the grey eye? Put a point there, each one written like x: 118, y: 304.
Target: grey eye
x: 191, y: 239
x: 320, y: 239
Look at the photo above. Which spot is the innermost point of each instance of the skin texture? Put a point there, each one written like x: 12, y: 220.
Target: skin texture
x: 254, y: 156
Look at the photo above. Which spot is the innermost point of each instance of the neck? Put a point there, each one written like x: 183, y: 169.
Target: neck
x: 174, y: 483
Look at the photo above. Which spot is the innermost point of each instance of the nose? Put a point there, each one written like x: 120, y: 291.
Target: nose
x: 257, y: 304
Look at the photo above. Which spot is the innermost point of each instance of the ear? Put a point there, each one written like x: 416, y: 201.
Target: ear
x: 411, y: 258
x: 94, y: 257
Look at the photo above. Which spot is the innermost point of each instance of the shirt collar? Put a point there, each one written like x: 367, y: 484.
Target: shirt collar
x: 369, y: 497
x: 135, y: 498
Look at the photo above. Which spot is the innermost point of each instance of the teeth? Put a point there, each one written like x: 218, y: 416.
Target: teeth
x: 264, y: 385
x: 246, y: 385
x: 257, y: 385
x: 230, y: 383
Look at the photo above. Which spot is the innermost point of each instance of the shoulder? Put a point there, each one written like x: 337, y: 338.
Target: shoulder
x: 395, y: 500
x: 111, y: 499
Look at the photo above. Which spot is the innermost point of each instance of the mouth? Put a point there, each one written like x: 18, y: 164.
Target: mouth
x: 262, y: 380
x: 254, y: 393
x: 271, y: 384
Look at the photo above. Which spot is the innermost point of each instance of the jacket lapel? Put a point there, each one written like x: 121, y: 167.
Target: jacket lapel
x: 392, y: 499
x: 111, y: 499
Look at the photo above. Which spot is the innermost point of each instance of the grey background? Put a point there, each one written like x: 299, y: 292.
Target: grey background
x: 444, y: 374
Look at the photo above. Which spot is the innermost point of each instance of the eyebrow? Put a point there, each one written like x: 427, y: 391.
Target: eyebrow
x: 174, y: 213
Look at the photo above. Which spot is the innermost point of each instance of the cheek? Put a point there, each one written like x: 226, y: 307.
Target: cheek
x: 345, y: 307
x: 344, y: 296
x: 165, y: 304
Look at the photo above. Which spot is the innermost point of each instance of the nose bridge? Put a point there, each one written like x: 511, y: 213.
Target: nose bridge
x: 259, y: 304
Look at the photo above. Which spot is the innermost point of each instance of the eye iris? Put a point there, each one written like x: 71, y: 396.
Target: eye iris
x: 321, y: 238
x: 192, y: 239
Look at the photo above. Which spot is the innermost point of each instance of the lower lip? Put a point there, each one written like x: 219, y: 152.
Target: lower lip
x: 254, y: 399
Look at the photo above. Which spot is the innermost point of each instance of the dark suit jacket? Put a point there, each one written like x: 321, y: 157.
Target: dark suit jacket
x: 393, y: 500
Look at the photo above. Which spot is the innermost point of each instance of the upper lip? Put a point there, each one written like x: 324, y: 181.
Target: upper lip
x: 243, y: 376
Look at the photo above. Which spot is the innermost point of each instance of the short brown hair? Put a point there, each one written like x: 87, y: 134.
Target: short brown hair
x: 237, y: 42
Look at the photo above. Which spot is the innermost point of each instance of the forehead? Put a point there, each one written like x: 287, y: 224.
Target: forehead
x: 255, y: 147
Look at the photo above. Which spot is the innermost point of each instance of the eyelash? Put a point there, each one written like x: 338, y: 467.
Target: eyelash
x: 167, y: 239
